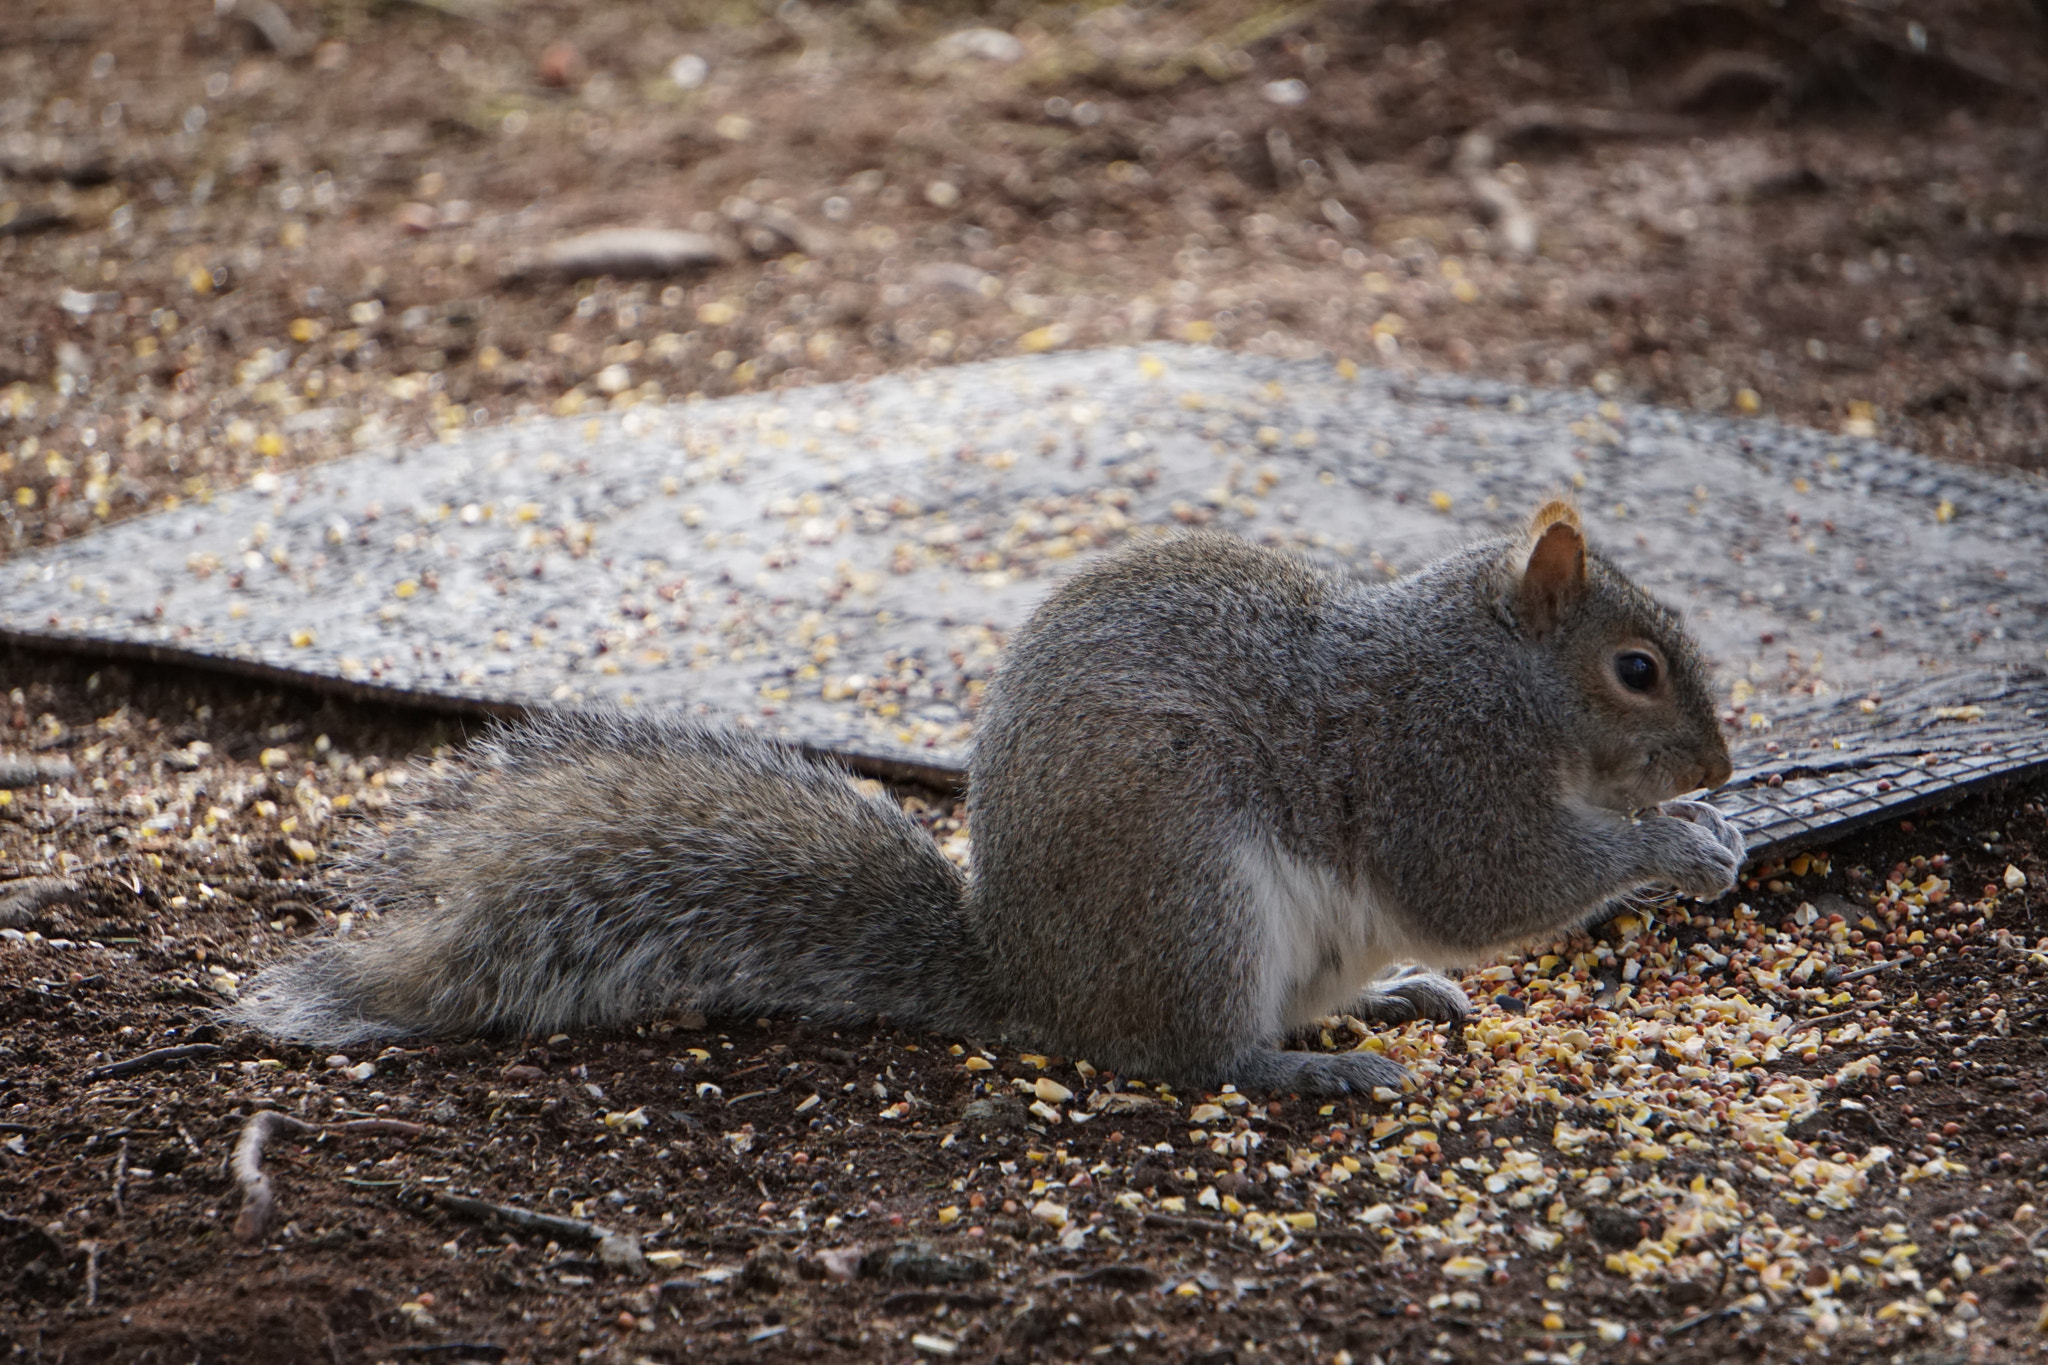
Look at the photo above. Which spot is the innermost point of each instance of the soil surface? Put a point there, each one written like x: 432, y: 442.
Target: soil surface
x: 253, y: 235
x: 263, y: 232
x: 1807, y: 1123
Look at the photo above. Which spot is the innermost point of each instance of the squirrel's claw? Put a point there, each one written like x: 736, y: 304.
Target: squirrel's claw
x: 1710, y: 850
x: 1270, y: 1070
x: 1413, y: 993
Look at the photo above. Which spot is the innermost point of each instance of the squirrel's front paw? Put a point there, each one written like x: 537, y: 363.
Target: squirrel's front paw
x: 1700, y: 852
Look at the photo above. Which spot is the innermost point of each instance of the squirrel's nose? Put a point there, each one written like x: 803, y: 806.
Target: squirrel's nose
x: 1717, y: 771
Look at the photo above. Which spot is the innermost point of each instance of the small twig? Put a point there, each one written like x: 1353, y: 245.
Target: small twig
x: 1201, y: 1226
x: 1334, y: 1235
x: 745, y: 1230
x: 571, y: 1229
x: 619, y: 1250
x: 120, y: 1179
x: 21, y: 899
x: 146, y: 1061
x: 1514, y: 224
x: 1210, y: 1226
x: 272, y: 25
x: 258, y: 1202
x: 379, y: 1128
x: 1280, y: 152
x: 1818, y: 1020
x: 1828, y: 978
x: 92, y: 1273
x: 1698, y: 1318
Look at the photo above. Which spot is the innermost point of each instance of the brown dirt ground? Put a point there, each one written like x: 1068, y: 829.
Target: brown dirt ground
x: 819, y: 1146
x: 218, y: 255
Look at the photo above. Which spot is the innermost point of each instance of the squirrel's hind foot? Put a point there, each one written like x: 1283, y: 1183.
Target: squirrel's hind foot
x: 1269, y: 1070
x: 1413, y: 993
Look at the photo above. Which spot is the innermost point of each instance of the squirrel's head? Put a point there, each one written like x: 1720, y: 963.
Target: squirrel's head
x: 1650, y: 731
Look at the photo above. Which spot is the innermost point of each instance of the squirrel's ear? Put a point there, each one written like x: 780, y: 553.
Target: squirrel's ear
x: 1554, y: 572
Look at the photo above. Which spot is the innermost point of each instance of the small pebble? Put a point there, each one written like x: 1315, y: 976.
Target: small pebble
x: 688, y: 72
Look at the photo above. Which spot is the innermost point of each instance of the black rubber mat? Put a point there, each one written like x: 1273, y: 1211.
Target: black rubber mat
x: 839, y: 566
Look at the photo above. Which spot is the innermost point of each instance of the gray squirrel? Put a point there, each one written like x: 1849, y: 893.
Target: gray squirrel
x: 1216, y: 794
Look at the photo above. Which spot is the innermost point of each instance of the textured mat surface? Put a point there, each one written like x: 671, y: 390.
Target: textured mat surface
x: 839, y: 565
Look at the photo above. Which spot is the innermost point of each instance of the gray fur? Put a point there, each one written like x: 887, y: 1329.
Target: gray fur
x: 1408, y: 737
x: 586, y: 870
x: 1437, y: 777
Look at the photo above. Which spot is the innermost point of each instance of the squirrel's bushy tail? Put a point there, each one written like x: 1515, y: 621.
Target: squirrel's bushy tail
x: 587, y: 870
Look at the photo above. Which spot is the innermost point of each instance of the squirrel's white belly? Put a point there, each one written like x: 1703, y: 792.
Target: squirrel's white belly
x: 1322, y: 940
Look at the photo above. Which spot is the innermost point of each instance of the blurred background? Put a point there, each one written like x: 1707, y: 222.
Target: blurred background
x: 258, y: 233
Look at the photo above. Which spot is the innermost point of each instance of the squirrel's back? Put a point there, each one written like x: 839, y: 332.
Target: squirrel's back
x: 581, y: 870
x: 1158, y: 716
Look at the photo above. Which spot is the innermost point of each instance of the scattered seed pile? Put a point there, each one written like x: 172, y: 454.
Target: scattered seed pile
x: 1808, y: 1118
x: 244, y: 238
x: 839, y: 565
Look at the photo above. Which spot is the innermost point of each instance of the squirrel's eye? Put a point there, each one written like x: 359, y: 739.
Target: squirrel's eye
x: 1636, y: 670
